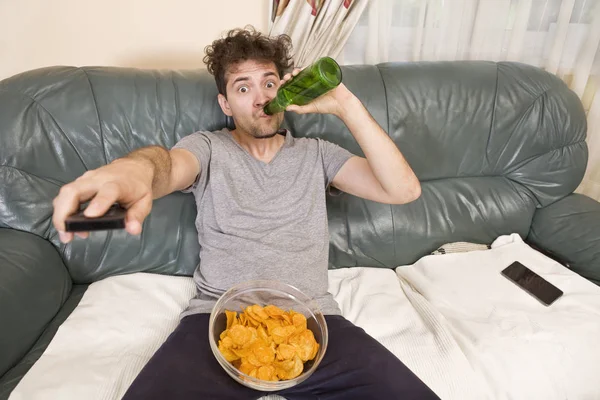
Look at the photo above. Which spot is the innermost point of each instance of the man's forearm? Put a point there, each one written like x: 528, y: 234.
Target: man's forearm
x: 157, y: 160
x: 385, y: 159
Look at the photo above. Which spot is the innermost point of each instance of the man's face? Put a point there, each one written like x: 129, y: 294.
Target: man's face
x: 250, y: 86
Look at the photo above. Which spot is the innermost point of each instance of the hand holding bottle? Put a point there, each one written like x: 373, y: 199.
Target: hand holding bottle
x: 328, y: 103
x: 315, y: 89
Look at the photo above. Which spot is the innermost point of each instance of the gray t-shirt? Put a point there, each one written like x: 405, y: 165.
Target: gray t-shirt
x: 262, y: 221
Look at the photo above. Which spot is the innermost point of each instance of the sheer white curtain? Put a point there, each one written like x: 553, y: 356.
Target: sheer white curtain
x: 561, y: 36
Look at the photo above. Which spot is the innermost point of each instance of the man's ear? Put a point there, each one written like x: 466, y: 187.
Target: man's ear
x: 224, y: 105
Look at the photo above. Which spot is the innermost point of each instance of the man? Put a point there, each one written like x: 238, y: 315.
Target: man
x: 260, y: 196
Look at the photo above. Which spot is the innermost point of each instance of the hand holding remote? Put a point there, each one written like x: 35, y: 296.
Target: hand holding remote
x: 114, y: 218
x: 127, y: 182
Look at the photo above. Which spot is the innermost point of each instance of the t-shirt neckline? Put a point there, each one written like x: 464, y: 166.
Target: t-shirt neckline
x: 286, y: 143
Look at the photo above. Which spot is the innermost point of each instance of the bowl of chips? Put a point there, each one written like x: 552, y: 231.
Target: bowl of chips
x: 267, y: 335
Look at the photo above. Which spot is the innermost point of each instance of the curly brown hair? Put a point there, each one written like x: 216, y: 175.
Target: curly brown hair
x: 247, y: 44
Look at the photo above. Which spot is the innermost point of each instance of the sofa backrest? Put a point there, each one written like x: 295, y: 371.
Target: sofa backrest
x: 491, y: 142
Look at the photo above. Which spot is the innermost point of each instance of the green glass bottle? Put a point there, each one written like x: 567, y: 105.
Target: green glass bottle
x: 313, y: 81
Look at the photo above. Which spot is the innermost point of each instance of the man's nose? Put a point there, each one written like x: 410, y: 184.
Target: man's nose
x: 262, y: 98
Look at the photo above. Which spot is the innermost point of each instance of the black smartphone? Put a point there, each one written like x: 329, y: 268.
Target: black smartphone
x: 114, y: 218
x: 545, y: 292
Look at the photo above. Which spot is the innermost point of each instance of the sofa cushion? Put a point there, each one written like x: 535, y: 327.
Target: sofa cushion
x: 434, y: 317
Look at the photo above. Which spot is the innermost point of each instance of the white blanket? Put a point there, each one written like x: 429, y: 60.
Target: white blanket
x: 462, y: 328
x: 520, y: 348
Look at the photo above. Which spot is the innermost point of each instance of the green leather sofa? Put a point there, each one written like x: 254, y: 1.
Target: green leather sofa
x: 499, y: 149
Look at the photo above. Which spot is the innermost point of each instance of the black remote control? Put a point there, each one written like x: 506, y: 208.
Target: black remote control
x: 113, y: 219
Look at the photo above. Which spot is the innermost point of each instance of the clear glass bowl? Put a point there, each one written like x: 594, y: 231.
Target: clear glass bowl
x: 264, y: 293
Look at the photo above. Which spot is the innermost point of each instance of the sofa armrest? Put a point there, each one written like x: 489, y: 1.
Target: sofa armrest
x: 570, y: 230
x: 34, y: 284
x: 10, y: 380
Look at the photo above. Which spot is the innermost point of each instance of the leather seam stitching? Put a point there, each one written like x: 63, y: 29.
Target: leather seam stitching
x: 493, y: 117
x: 45, y: 179
x: 97, y: 114
x: 528, y: 160
x: 37, y: 103
x: 387, y: 130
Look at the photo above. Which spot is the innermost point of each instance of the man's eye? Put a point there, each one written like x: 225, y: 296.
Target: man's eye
x: 270, y: 85
x: 243, y: 89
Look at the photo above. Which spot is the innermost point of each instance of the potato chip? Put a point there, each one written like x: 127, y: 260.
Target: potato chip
x: 231, y: 318
x: 272, y: 324
x: 262, y: 335
x: 282, y: 333
x: 299, y: 321
x: 315, y: 350
x: 304, y: 344
x: 297, y: 368
x: 245, y: 367
x: 228, y: 354
x: 240, y: 334
x: 227, y: 342
x: 242, y: 353
x: 258, y: 313
x: 273, y: 311
x: 289, y: 369
x: 285, y: 352
x: 267, y: 373
x: 261, y: 355
x: 267, y: 343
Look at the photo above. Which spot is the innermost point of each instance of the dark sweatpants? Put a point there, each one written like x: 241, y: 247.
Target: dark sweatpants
x: 355, y: 366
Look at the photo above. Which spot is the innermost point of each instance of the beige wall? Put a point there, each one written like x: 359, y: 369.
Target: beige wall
x: 135, y: 33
